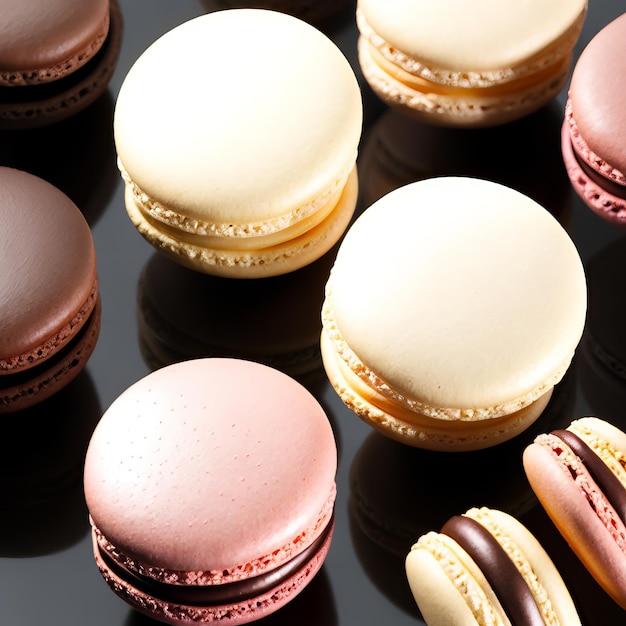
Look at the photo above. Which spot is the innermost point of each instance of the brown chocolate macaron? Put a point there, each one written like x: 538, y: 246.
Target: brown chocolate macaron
x: 49, y: 299
x: 56, y: 58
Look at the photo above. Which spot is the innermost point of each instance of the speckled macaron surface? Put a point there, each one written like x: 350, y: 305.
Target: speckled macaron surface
x: 453, y: 307
x: 48, y: 291
x: 206, y: 474
x: 247, y: 168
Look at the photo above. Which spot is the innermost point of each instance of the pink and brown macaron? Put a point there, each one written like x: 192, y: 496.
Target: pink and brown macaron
x: 49, y: 300
x: 211, y: 487
x: 56, y: 58
x: 579, y: 476
x: 593, y: 143
x: 460, y: 63
x: 486, y: 568
x: 248, y: 168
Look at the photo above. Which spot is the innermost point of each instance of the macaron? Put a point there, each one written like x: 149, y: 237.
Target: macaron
x: 56, y: 58
x: 49, y: 299
x: 453, y: 308
x: 595, y: 124
x: 254, y: 174
x: 579, y: 476
x: 485, y: 567
x: 467, y: 64
x: 211, y: 486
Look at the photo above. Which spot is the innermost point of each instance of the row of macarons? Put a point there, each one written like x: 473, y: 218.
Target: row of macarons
x: 247, y: 538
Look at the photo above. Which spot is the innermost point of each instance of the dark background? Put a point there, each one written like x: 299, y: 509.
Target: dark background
x: 47, y: 573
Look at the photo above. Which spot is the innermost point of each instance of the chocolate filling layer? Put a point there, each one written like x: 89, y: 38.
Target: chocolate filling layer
x: 612, y: 187
x: 601, y: 474
x: 217, y: 595
x: 501, y: 573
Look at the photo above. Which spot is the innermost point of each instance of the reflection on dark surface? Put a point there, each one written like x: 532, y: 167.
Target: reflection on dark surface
x: 603, y: 348
x: 41, y: 462
x: 524, y: 155
x: 313, y: 606
x: 184, y: 314
x: 76, y: 155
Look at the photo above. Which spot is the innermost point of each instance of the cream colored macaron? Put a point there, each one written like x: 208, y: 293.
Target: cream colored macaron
x: 237, y: 136
x: 468, y: 63
x: 453, y: 308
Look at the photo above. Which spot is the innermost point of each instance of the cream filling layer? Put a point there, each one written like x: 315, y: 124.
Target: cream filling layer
x: 382, y: 394
x: 233, y: 236
x: 534, y: 70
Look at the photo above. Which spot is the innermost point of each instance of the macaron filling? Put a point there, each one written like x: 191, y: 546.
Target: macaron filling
x: 212, y: 594
x: 500, y: 571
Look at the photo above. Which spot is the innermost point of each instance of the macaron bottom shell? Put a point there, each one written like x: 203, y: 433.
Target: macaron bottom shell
x: 242, y: 612
x: 276, y: 259
x: 419, y: 430
x: 601, y: 201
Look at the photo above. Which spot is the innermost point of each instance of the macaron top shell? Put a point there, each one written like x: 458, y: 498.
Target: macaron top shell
x: 596, y: 95
x: 48, y: 262
x: 483, y: 36
x: 49, y: 38
x: 460, y: 296
x: 260, y: 117
x: 219, y: 467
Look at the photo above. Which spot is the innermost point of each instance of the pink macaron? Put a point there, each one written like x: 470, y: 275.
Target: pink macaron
x: 211, y: 486
x: 593, y: 146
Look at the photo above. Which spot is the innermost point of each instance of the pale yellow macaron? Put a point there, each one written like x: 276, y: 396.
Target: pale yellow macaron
x: 237, y: 136
x: 462, y: 63
x: 453, y: 308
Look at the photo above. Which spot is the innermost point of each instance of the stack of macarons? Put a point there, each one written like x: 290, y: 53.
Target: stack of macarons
x: 258, y: 176
x: 593, y: 143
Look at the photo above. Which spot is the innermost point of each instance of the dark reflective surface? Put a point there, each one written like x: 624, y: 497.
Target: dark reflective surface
x: 387, y: 494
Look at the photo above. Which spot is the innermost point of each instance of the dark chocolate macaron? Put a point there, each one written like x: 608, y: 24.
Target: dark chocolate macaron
x: 49, y: 300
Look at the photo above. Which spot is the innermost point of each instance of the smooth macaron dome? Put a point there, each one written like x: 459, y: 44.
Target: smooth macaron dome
x: 459, y: 63
x: 453, y: 308
x: 595, y: 123
x: 215, y: 477
x: 254, y: 174
x: 486, y: 567
x: 49, y: 301
x: 56, y: 57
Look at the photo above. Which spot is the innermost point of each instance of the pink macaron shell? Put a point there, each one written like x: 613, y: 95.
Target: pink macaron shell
x: 605, y: 204
x: 211, y: 470
x: 597, y: 92
x: 602, y: 552
x: 247, y: 610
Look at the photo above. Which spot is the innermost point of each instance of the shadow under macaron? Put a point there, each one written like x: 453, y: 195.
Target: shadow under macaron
x: 524, y: 155
x: 41, y: 467
x: 77, y: 155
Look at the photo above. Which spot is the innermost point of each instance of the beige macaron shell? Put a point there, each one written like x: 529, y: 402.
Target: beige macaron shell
x: 291, y: 97
x: 485, y: 36
x: 460, y: 294
x: 448, y: 586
